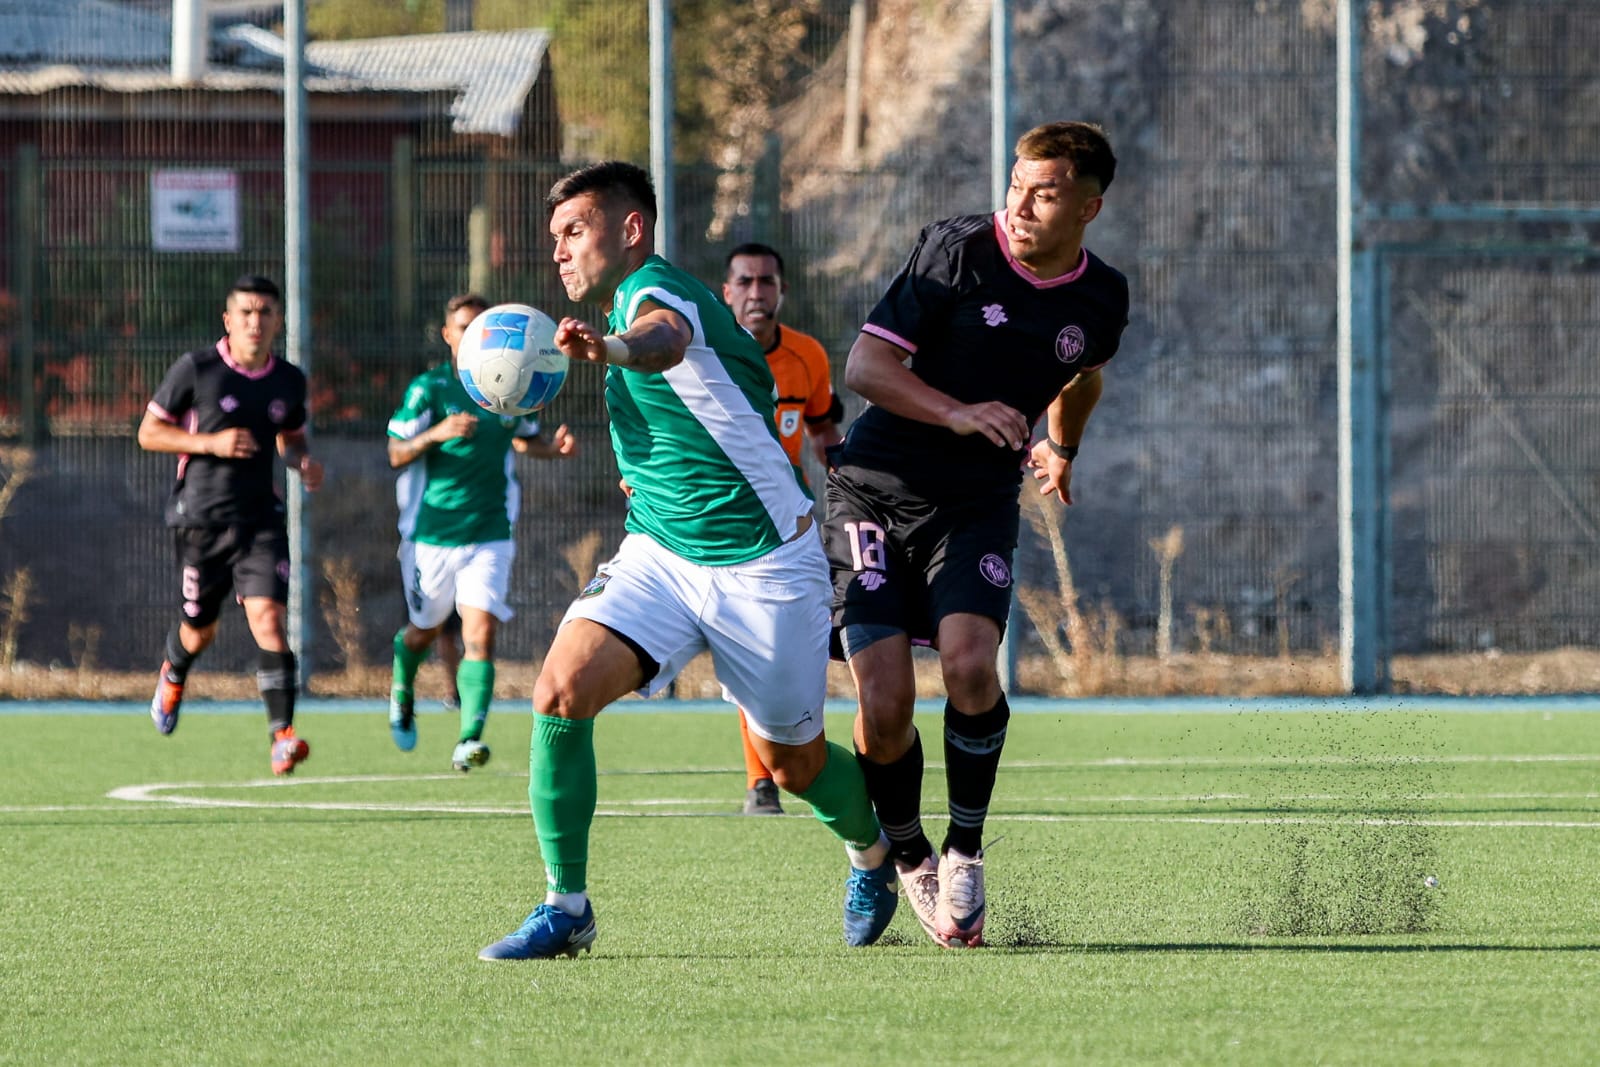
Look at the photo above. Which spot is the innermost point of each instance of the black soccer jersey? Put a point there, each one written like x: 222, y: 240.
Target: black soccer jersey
x: 204, y: 392
x: 980, y: 327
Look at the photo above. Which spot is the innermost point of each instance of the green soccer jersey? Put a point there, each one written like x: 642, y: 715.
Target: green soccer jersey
x: 697, y: 443
x: 462, y: 492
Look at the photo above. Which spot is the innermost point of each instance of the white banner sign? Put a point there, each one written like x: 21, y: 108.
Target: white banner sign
x: 194, y: 211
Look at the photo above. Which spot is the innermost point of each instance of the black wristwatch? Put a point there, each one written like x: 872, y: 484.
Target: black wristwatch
x: 1066, y: 452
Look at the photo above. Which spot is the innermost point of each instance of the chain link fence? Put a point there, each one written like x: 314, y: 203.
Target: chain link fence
x: 1203, y: 551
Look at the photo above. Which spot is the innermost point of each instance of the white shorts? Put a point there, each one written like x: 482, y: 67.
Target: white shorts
x: 765, y: 623
x: 441, y: 577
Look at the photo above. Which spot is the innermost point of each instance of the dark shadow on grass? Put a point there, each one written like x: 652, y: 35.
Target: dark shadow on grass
x: 1355, y: 810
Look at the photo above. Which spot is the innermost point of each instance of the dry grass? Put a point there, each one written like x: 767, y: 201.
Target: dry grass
x: 1569, y: 670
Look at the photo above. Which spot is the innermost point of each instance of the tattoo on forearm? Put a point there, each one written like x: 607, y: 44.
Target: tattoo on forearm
x: 647, y: 351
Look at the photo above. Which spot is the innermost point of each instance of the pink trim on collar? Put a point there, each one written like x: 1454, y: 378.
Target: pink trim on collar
x: 1027, y: 275
x: 226, y: 353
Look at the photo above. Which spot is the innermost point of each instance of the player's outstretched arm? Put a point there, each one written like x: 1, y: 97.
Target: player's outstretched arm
x: 404, y: 451
x: 876, y: 370
x: 158, y: 435
x: 655, y: 342
x: 295, y: 448
x: 1065, y: 421
x: 562, y: 444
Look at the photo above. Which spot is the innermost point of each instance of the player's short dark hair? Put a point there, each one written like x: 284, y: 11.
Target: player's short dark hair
x: 754, y: 248
x: 1083, y: 144
x: 611, y: 180
x: 259, y: 284
x: 465, y: 300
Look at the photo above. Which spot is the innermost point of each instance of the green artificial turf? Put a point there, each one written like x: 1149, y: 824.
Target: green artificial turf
x: 1241, y: 887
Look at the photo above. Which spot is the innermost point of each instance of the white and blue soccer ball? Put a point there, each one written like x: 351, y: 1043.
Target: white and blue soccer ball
x: 508, y: 360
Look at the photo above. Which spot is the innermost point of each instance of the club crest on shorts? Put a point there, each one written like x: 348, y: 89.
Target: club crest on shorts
x: 994, y: 570
x: 596, y: 586
x: 1069, y: 344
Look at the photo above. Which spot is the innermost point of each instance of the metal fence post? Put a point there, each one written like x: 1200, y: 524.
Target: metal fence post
x: 25, y: 211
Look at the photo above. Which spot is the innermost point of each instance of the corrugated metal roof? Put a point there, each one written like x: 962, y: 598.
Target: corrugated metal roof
x: 81, y: 31
x: 493, y: 70
x: 47, y: 45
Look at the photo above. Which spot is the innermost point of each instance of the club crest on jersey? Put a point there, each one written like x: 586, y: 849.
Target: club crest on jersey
x: 230, y: 404
x: 276, y: 411
x: 596, y: 586
x: 1069, y: 344
x: 994, y: 570
x: 994, y: 315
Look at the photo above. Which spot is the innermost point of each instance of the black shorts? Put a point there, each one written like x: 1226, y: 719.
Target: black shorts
x: 900, y: 560
x: 248, y: 561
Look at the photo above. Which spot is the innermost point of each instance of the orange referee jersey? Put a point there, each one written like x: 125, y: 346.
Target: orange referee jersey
x: 800, y: 368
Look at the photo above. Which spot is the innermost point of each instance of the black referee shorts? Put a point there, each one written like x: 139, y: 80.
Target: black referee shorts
x: 901, y: 560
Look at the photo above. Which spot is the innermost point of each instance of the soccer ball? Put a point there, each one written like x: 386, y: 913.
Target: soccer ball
x: 508, y: 361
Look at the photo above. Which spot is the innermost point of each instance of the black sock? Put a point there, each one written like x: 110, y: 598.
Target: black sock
x: 972, y: 745
x: 896, y: 791
x: 179, y: 659
x: 276, y: 678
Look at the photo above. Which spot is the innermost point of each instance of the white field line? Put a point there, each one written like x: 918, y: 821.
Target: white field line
x: 176, y: 793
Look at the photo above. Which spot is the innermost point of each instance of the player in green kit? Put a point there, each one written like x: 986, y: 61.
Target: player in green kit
x: 720, y: 555
x: 458, y: 500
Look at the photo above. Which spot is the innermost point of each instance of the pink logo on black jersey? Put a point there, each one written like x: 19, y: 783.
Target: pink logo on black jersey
x: 994, y: 570
x: 283, y: 570
x: 1069, y: 344
x: 230, y: 404
x: 872, y: 580
x: 277, y: 410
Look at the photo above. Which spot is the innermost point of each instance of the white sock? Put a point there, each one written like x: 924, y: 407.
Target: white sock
x: 571, y: 903
x: 871, y: 857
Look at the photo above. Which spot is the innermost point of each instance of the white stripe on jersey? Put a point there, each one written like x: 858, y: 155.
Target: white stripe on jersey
x: 716, y: 402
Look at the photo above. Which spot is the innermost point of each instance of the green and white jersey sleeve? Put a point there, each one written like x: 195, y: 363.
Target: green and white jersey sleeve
x: 463, y: 491
x: 697, y: 443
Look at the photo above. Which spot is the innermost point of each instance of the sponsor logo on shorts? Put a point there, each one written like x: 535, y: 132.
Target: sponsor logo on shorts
x: 596, y: 586
x: 994, y: 570
x: 283, y: 570
x: 191, y: 609
x: 1069, y: 344
x: 872, y: 580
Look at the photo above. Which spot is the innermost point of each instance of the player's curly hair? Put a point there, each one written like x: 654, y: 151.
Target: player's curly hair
x: 1083, y: 144
x: 613, y: 179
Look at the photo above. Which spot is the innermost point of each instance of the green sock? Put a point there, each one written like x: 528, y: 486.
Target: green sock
x: 475, y: 683
x: 839, y: 798
x: 406, y: 662
x: 562, y: 791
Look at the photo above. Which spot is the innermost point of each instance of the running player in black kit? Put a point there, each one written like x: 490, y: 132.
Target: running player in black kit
x: 1004, y: 318
x: 224, y: 411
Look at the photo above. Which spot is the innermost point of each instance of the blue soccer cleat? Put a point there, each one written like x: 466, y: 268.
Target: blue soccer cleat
x: 870, y: 898
x: 403, y: 719
x: 168, y: 699
x: 547, y: 933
